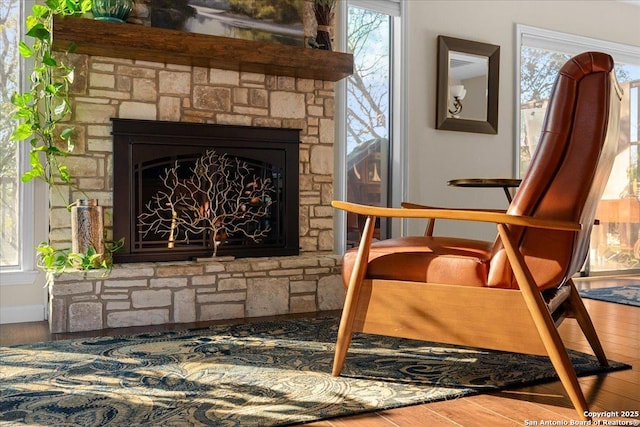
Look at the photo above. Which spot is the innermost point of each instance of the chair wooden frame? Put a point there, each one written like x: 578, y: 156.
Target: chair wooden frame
x: 431, y: 311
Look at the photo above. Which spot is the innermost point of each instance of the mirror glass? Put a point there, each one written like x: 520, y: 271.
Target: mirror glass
x: 468, y: 76
x: 468, y: 80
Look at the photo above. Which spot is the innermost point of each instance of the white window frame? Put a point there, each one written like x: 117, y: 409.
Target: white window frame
x: 33, y: 198
x: 398, y: 125
x: 564, y: 42
x: 570, y: 44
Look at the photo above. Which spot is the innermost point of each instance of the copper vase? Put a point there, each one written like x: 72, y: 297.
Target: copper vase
x: 87, y: 229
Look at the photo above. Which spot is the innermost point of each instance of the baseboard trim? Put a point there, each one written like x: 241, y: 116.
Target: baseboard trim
x: 22, y: 313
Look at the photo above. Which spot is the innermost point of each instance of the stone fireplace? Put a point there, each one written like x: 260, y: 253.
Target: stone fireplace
x: 146, y: 293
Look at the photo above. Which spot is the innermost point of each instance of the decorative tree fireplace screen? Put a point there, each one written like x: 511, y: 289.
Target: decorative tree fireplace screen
x: 190, y: 190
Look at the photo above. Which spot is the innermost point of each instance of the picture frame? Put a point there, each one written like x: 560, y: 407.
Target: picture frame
x: 478, y: 65
x: 276, y: 21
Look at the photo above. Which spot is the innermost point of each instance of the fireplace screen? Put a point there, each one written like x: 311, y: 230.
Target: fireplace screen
x: 184, y: 190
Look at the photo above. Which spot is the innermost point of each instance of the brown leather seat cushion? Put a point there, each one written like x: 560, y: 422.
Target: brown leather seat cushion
x: 443, y: 260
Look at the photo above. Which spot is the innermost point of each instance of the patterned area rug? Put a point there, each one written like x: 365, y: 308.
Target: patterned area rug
x: 265, y: 374
x: 629, y: 295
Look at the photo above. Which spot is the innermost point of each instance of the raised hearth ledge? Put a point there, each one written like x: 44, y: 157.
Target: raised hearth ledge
x: 130, y: 41
x: 144, y: 294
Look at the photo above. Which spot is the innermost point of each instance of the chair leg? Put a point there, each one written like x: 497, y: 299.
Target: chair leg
x: 581, y: 315
x: 564, y: 368
x: 544, y: 324
x: 345, y: 330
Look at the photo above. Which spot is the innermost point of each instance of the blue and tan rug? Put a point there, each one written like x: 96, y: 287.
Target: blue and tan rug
x: 263, y: 374
x: 628, y: 295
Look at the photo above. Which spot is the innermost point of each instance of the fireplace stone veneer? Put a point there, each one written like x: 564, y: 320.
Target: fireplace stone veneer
x: 157, y: 293
x: 147, y: 293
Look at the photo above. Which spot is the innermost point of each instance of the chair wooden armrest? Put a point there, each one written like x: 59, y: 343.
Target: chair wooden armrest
x: 496, y: 217
x: 432, y: 221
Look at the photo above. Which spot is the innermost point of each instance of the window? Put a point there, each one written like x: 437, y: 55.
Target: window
x: 370, y: 106
x: 17, y: 222
x: 9, y: 183
x: 615, y: 240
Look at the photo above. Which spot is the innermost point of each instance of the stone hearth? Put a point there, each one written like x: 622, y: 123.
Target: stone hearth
x: 156, y: 293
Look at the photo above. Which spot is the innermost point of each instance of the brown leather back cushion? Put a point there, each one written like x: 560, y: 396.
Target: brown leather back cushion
x: 567, y: 173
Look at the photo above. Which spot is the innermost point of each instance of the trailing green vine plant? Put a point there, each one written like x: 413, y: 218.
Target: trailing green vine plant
x: 40, y: 112
x: 46, y: 104
x: 54, y: 262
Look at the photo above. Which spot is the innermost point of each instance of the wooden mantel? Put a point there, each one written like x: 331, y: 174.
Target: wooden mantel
x: 131, y: 41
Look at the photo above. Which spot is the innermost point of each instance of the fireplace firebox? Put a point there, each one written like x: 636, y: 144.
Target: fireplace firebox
x: 191, y: 190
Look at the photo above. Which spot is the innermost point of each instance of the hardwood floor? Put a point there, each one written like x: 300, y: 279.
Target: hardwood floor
x: 618, y: 327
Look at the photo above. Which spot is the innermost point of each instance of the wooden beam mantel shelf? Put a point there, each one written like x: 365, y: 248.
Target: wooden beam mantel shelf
x: 130, y: 41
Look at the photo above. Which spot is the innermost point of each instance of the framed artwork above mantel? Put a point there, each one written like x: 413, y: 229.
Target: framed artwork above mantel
x: 274, y: 21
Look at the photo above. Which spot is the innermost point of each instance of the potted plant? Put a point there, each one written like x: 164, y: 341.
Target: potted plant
x: 112, y: 10
x: 41, y: 112
x: 55, y: 262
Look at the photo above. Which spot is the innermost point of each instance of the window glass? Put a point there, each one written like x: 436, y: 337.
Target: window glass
x: 615, y: 240
x: 10, y: 20
x: 368, y: 115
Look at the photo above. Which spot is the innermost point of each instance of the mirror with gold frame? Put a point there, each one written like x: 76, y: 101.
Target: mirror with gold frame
x: 468, y: 77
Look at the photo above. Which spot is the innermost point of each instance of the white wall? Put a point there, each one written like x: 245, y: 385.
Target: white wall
x: 436, y: 156
x: 23, y: 296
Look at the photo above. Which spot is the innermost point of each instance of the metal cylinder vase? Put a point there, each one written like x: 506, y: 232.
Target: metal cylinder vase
x: 87, y: 229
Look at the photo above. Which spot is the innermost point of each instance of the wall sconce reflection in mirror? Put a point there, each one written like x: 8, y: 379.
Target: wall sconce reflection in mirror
x: 457, y: 92
x: 468, y: 71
